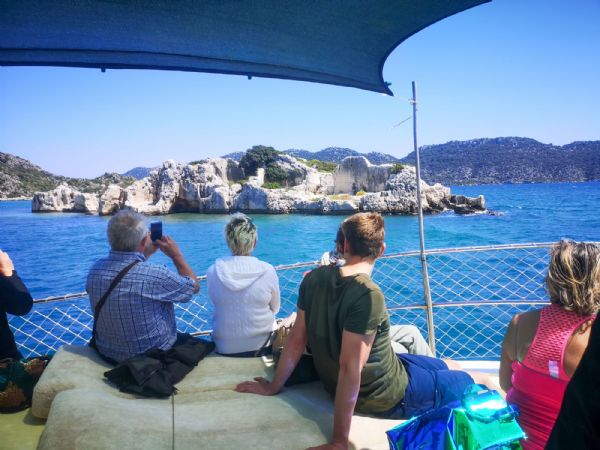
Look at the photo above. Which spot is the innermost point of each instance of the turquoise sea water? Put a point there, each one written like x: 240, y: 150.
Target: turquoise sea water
x: 53, y: 252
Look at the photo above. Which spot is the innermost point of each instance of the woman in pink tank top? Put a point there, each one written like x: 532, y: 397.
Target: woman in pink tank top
x: 542, y: 348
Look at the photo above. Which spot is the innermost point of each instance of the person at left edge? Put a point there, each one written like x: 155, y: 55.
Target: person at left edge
x: 139, y: 313
x: 14, y: 299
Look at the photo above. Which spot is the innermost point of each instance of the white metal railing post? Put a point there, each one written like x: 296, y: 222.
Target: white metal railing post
x: 426, y: 289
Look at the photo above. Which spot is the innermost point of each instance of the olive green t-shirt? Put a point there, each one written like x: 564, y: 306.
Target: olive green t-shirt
x: 332, y: 304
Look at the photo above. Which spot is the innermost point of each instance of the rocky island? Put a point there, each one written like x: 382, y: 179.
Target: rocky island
x: 264, y: 181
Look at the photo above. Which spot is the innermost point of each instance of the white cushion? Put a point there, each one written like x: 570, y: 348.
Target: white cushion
x: 85, y: 412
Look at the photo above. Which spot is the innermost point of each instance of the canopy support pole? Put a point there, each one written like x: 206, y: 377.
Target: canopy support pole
x: 426, y: 290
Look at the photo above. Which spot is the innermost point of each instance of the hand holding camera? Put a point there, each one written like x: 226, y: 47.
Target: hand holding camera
x: 155, y: 234
x: 155, y: 231
x: 169, y: 247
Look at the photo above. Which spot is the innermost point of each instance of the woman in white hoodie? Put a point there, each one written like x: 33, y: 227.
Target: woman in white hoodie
x: 244, y: 292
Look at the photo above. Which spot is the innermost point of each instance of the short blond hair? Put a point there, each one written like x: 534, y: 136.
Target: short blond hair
x: 365, y: 234
x: 573, y: 279
x: 240, y: 234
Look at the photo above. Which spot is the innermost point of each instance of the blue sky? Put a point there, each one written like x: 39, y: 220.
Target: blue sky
x: 507, y: 68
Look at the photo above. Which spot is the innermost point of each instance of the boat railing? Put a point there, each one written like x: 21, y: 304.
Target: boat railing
x: 475, y: 291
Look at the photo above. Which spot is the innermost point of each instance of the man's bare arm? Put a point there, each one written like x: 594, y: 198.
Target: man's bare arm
x: 354, y: 355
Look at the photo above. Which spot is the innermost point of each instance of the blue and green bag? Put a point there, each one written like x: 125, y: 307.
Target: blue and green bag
x: 482, y: 420
x: 432, y: 430
x: 485, y: 421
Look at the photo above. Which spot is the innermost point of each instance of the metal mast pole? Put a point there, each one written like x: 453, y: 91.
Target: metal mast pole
x: 427, y: 292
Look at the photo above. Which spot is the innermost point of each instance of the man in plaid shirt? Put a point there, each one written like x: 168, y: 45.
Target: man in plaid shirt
x: 139, y: 314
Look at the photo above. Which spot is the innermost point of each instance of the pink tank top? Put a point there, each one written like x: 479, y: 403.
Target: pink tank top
x: 539, y: 382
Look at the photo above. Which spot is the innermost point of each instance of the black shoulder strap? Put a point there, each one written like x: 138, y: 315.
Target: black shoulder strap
x: 101, y: 302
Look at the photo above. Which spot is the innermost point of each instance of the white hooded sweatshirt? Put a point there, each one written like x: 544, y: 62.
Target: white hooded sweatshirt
x: 245, y: 295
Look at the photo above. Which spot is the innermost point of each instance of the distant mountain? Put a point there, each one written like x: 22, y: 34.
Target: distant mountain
x: 20, y: 178
x: 138, y: 172
x: 329, y: 154
x: 337, y: 154
x: 234, y: 155
x: 508, y: 160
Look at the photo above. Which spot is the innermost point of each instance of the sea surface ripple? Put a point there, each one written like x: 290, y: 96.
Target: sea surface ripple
x: 53, y: 252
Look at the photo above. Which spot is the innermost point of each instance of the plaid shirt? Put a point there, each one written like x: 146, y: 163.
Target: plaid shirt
x: 139, y: 313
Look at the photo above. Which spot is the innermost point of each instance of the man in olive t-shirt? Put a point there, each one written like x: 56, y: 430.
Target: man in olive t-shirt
x: 333, y: 303
x: 342, y: 316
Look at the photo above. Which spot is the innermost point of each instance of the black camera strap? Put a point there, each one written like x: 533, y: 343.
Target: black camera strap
x: 101, y: 302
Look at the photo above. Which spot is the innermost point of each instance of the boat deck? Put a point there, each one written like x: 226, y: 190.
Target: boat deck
x: 20, y: 430
x: 206, y: 413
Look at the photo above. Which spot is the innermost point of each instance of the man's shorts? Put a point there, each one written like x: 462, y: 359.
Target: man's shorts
x: 430, y: 385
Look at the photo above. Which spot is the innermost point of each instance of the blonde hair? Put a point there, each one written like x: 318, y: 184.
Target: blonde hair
x: 573, y: 279
x: 364, y: 233
x: 240, y: 234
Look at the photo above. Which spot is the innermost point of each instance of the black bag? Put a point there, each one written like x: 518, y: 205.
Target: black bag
x: 155, y: 372
x: 304, y: 372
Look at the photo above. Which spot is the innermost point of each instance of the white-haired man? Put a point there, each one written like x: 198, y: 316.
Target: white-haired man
x: 138, y: 314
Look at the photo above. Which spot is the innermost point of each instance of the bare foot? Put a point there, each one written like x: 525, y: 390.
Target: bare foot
x: 453, y: 365
x: 482, y: 378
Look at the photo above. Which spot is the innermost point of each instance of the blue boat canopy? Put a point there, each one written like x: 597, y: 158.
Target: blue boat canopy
x: 341, y: 42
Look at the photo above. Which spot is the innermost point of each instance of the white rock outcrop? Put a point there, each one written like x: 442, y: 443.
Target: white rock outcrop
x: 86, y: 203
x: 60, y: 199
x: 65, y: 199
x: 111, y: 200
x: 214, y: 186
x: 356, y: 173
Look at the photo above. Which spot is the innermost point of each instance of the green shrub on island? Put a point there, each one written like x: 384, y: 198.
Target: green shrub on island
x: 271, y: 185
x: 262, y: 156
x: 266, y: 157
x: 256, y: 157
x: 360, y: 193
x: 276, y: 174
x: 397, y: 168
x: 198, y: 161
x: 322, y: 166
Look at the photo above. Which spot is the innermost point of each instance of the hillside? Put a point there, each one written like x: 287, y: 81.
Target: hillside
x: 21, y: 178
x: 139, y: 172
x: 478, y: 161
x: 508, y: 160
x: 337, y: 154
x: 329, y: 154
x: 236, y: 156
